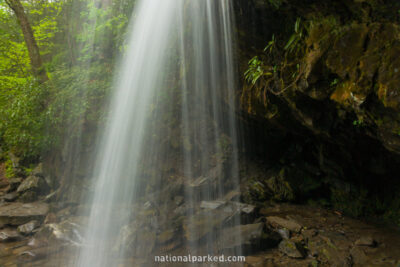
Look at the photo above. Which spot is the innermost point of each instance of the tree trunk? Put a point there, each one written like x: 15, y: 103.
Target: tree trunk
x: 33, y: 49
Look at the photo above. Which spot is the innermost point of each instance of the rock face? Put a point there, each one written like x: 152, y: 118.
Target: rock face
x: 324, y: 101
x: 21, y: 213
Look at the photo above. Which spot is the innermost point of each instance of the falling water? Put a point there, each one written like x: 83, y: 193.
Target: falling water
x: 171, y: 123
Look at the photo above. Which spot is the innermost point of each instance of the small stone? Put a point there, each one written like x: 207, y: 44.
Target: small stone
x: 284, y: 223
x: 366, y: 241
x: 292, y: 249
x: 27, y: 228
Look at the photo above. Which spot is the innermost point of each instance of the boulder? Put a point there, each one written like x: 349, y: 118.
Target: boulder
x: 213, y: 215
x: 279, y: 222
x: 240, y: 235
x: 28, y: 228
x: 67, y: 231
x: 21, y: 213
x: 204, y: 222
x: 292, y: 249
x: 32, y: 183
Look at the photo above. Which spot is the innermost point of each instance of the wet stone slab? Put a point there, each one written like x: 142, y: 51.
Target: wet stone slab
x: 21, y: 213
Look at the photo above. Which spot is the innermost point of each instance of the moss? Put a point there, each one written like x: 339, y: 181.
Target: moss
x: 10, y: 173
x: 280, y: 187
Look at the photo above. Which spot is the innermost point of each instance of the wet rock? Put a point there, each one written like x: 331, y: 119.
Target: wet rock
x: 279, y: 222
x: 33, y: 183
x: 10, y: 196
x: 20, y: 213
x: 28, y: 228
x: 199, y: 184
x: 366, y: 241
x: 147, y: 242
x: 245, y: 208
x: 38, y: 253
x: 132, y: 234
x: 233, y: 195
x: 69, y: 231
x: 165, y: 236
x: 37, y: 243
x: 212, y: 204
x: 127, y: 236
x: 240, y: 235
x: 204, y: 222
x: 27, y: 256
x: 292, y: 249
x: 8, y: 235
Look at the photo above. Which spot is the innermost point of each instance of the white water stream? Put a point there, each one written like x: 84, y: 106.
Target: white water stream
x: 175, y: 82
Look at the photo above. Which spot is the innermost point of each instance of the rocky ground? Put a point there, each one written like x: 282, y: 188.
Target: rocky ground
x: 41, y: 233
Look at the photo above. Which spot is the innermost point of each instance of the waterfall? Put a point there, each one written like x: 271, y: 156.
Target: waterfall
x: 170, y: 135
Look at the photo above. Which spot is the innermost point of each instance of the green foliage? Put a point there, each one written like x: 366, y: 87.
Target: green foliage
x: 358, y: 123
x: 334, y: 82
x: 294, y: 43
x: 271, y: 45
x: 275, y: 3
x: 255, y: 70
x: 78, y: 40
x: 9, y: 169
x: 279, y: 55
